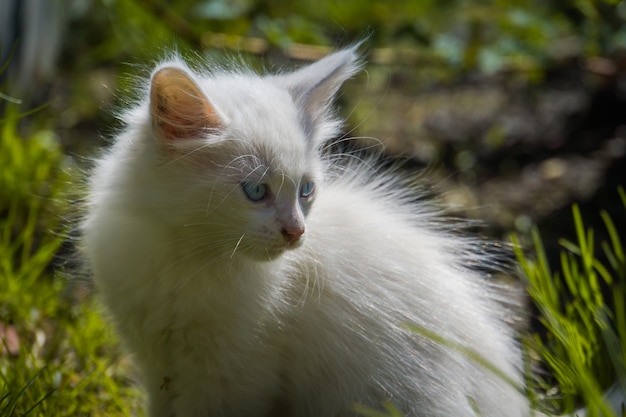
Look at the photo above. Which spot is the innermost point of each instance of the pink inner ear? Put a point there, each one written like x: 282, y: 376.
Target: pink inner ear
x: 179, y: 109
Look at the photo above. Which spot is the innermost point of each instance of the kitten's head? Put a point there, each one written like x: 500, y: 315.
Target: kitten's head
x: 240, y: 153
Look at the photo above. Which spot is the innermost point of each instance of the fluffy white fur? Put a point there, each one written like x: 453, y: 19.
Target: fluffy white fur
x: 226, y: 316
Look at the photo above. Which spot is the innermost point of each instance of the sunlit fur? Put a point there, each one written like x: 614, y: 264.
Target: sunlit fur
x: 224, y: 318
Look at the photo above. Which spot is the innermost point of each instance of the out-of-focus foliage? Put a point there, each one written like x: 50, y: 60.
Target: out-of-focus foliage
x: 431, y: 41
x: 487, y: 35
x: 57, y: 356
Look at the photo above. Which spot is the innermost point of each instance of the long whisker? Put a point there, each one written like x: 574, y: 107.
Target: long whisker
x: 237, y: 246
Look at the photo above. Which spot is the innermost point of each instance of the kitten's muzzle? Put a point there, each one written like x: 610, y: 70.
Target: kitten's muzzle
x: 292, y: 234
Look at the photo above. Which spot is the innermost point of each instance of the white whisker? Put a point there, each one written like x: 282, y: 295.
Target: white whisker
x: 237, y: 246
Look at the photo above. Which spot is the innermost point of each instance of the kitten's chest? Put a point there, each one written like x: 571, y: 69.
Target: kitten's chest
x: 213, y: 304
x: 223, y: 336
x: 220, y: 306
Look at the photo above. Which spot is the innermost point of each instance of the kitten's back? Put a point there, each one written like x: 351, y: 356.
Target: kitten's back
x: 372, y: 267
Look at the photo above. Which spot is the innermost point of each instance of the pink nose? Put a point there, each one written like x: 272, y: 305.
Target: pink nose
x: 292, y: 235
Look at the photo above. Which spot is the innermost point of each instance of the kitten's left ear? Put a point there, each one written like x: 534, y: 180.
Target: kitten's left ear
x: 178, y: 107
x: 314, y: 86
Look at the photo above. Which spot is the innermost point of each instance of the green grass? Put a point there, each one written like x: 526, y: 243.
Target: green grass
x: 68, y: 362
x: 584, y: 349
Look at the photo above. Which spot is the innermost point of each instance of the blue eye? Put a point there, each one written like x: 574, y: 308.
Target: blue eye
x: 255, y: 192
x: 307, y: 189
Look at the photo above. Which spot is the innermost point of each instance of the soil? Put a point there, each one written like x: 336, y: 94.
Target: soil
x: 506, y: 150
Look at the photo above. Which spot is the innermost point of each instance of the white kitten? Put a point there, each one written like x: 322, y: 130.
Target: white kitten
x: 251, y: 276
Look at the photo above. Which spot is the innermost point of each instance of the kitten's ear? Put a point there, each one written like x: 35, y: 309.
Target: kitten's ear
x: 314, y: 86
x: 179, y: 109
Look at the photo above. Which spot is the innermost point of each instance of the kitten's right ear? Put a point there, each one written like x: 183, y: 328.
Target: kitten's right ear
x: 178, y: 108
x: 314, y: 86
